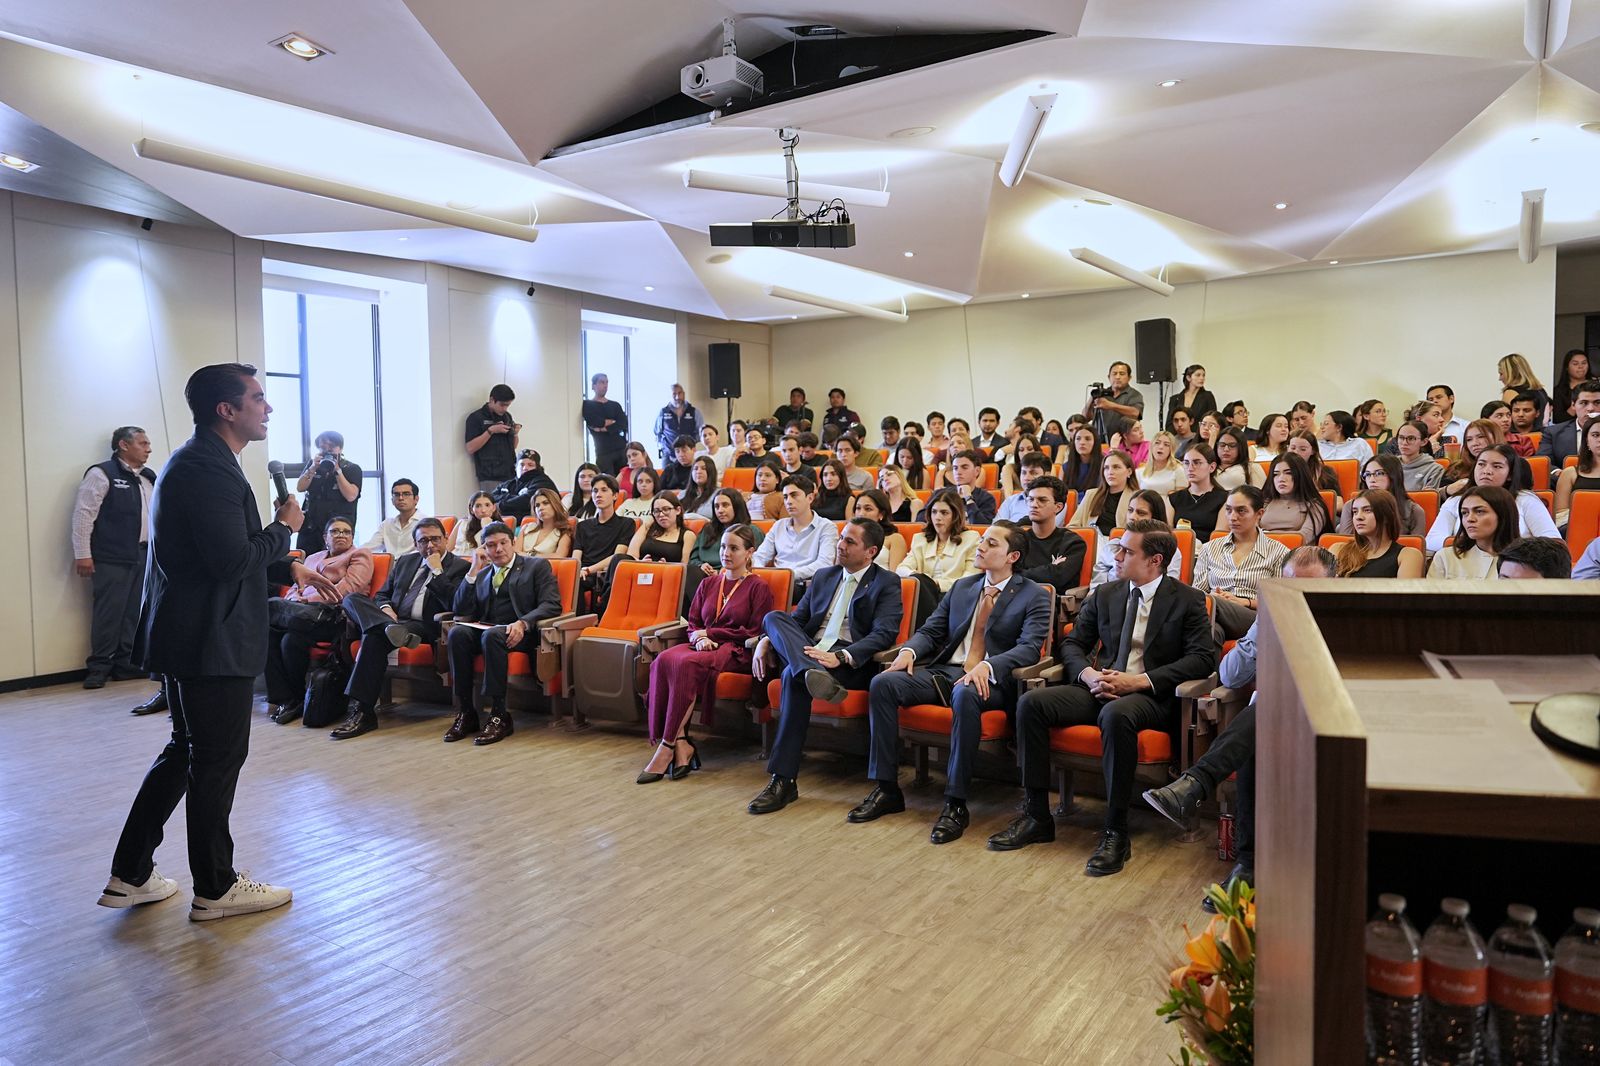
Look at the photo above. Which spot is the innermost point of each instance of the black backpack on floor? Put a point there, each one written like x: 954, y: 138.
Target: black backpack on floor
x: 326, y: 704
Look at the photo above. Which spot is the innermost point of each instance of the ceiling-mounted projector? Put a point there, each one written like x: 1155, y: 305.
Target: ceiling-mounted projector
x: 724, y: 79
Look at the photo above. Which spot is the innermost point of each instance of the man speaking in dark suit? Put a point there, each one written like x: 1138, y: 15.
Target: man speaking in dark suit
x: 510, y: 596
x: 1153, y: 635
x: 205, y: 629
x: 421, y: 584
x: 850, y: 613
x: 988, y: 625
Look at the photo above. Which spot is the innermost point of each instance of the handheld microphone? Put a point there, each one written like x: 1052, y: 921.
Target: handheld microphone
x: 275, y: 468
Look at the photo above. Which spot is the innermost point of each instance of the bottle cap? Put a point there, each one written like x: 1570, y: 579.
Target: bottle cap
x: 1587, y: 916
x: 1455, y: 908
x: 1391, y: 901
x: 1522, y: 913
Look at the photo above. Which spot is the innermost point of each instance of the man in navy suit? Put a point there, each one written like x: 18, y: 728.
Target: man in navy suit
x: 1561, y: 439
x: 1153, y: 635
x: 849, y: 613
x: 204, y: 627
x: 511, y: 596
x: 986, y: 626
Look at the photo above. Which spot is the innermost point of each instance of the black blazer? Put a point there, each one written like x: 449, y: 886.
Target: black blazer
x: 205, y: 606
x: 438, y: 595
x: 1178, y: 646
x: 1014, y: 637
x: 535, y: 595
x: 875, y: 609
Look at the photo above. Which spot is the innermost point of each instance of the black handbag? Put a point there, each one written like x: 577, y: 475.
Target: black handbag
x: 325, y: 701
x: 313, y: 619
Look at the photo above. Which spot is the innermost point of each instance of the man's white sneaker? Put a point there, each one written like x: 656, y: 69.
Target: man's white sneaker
x: 245, y: 897
x: 119, y: 893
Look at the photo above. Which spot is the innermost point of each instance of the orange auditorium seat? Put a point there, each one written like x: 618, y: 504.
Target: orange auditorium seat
x: 1583, y: 522
x: 1348, y: 472
x: 1539, y: 466
x: 742, y: 478
x: 607, y: 676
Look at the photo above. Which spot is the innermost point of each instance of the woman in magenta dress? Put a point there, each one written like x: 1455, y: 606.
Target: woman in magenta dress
x: 727, y: 611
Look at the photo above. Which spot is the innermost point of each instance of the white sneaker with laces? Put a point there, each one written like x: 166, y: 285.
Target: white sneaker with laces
x: 245, y: 897
x: 118, y: 893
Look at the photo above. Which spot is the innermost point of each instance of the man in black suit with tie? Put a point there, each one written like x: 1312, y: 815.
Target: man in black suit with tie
x: 1153, y: 635
x: 1559, y: 441
x: 849, y: 613
x: 421, y: 584
x: 986, y: 626
x: 204, y: 627
x: 510, y: 596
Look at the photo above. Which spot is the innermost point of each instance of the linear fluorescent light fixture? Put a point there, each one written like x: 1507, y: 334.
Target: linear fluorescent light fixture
x: 1090, y: 257
x: 814, y: 300
x: 227, y: 166
x: 1026, y: 139
x: 1532, y: 225
x: 809, y: 190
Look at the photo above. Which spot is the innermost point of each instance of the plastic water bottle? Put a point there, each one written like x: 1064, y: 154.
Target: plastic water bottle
x: 1522, y: 992
x: 1455, y: 981
x: 1578, y: 991
x: 1394, y: 986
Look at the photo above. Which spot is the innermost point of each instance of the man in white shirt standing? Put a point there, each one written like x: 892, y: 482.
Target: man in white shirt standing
x: 804, y: 542
x: 398, y: 535
x: 1444, y: 397
x: 110, y: 542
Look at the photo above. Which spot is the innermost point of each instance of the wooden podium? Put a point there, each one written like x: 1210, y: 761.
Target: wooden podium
x: 1327, y: 844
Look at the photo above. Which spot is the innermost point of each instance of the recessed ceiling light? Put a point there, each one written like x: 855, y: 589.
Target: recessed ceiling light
x: 720, y: 257
x: 1170, y: 82
x: 1096, y: 201
x: 1333, y: 262
x: 649, y: 288
x: 301, y: 47
x: 1026, y: 295
x: 1590, y: 127
x: 792, y: 317
x: 1281, y: 205
x: 16, y: 162
x: 402, y: 238
x: 910, y: 254
x: 913, y: 131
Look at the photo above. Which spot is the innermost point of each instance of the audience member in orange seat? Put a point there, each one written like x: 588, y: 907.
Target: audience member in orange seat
x: 1499, y: 412
x: 1585, y: 477
x: 1232, y: 568
x: 1199, y: 503
x: 1081, y: 471
x: 1535, y: 558
x: 297, y: 623
x: 1488, y: 522
x: 1384, y: 472
x: 1375, y: 521
x: 727, y: 611
x: 1479, y: 434
x: 1293, y: 503
x: 550, y: 535
x: 1304, y: 444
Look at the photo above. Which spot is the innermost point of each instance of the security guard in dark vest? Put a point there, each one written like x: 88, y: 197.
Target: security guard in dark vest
x: 110, y: 539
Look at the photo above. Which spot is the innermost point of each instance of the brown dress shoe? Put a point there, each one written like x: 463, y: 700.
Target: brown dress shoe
x: 465, y: 725
x: 498, y: 729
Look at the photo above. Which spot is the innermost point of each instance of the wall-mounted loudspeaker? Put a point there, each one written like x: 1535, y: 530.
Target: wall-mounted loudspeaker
x: 1155, y: 347
x: 725, y: 371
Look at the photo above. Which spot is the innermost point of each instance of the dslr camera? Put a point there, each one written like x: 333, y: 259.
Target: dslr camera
x: 1099, y: 391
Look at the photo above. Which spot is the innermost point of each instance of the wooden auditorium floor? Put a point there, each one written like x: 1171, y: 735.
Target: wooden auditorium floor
x: 528, y: 903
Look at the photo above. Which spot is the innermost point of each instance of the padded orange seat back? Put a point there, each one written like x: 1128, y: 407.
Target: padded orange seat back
x: 1536, y: 438
x: 781, y: 582
x: 1583, y: 523
x: 742, y: 478
x: 1428, y: 500
x: 908, y: 530
x: 527, y: 523
x: 1540, y: 467
x: 567, y: 581
x: 1347, y: 471
x: 991, y: 476
x: 1185, y: 549
x: 694, y: 523
x: 908, y: 607
x: 449, y: 523
x: 764, y: 524
x: 1089, y: 536
x: 872, y: 472
x: 643, y: 594
x: 923, y: 495
x: 1548, y: 497
x: 1571, y: 460
x: 381, y: 562
x: 1327, y: 501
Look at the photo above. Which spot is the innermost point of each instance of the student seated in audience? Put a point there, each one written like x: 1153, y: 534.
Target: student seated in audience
x: 467, y: 536
x: 1574, y: 372
x: 678, y: 471
x: 848, y: 452
x: 1015, y: 431
x: 1418, y: 468
x: 596, y: 540
x: 421, y: 584
x: 1534, y: 558
x: 1293, y: 504
x: 766, y: 502
x: 711, y: 445
x: 705, y: 551
x: 551, y: 536
x: 889, y: 438
x: 1198, y: 504
x: 1181, y: 425
x: 1560, y: 442
x: 1488, y: 523
x: 808, y: 450
x: 1585, y: 477
x: 1338, y: 437
x: 1372, y: 422
x: 635, y: 458
x: 942, y: 553
x: 1195, y: 399
x: 1011, y: 479
x: 510, y: 594
x: 1142, y: 664
x: 804, y: 542
x: 1234, y: 466
x: 1106, y: 505
x: 1162, y: 472
x: 908, y: 457
x: 1232, y: 568
x: 873, y: 506
x: 580, y: 501
x: 989, y: 437
x: 1525, y: 413
x: 1053, y: 554
x: 1478, y: 435
x: 936, y: 445
x: 1235, y: 749
x: 1014, y: 506
x: 397, y: 535
x: 1272, y: 436
x: 904, y: 506
x: 727, y: 610
x: 838, y: 414
x: 1498, y: 466
x: 966, y: 471
x: 960, y: 436
x: 796, y: 412
x: 850, y: 612
x: 833, y: 492
x: 1303, y: 417
x: 646, y: 485
x: 1304, y: 445
x: 1516, y: 376
x: 1375, y: 551
x: 296, y: 624
x: 1081, y: 470
x: 1143, y: 505
x: 662, y: 538
x: 1235, y: 415
x: 755, y: 448
x: 1444, y: 398
x: 1206, y: 430
x: 515, y: 496
x: 989, y: 625
x: 788, y: 451
x: 702, y: 485
x: 1384, y: 472
x: 1499, y: 412
x: 1130, y: 439
x: 1433, y: 423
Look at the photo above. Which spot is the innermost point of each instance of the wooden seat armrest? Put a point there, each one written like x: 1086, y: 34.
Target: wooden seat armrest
x: 1024, y: 673
x: 1054, y: 674
x: 554, y: 622
x: 554, y: 632
x: 445, y: 616
x: 647, y: 632
x: 887, y: 656
x: 1193, y: 690
x: 658, y: 639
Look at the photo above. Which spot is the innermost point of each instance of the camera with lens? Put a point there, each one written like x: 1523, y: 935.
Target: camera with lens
x: 325, y: 464
x: 1098, y: 391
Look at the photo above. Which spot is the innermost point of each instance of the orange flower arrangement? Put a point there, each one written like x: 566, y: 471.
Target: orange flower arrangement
x: 1212, y: 994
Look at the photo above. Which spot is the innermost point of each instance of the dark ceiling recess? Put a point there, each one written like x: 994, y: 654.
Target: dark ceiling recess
x: 819, y: 60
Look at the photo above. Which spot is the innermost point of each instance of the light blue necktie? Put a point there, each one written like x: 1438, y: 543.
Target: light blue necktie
x: 841, y: 607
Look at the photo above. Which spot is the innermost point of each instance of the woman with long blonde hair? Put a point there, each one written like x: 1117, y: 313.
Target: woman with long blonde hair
x: 1162, y: 472
x: 1516, y: 376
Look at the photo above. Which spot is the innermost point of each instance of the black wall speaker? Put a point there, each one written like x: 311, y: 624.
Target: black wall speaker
x: 1155, y: 347
x: 725, y: 370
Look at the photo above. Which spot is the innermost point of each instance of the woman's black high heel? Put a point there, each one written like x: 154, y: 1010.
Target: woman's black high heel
x: 647, y: 778
x: 678, y: 773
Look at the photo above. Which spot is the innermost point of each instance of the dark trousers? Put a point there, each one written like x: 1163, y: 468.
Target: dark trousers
x: 790, y: 642
x: 467, y: 643
x: 210, y: 739
x: 1235, y: 752
x: 1120, y: 721
x: 1229, y: 620
x: 891, y: 691
x: 372, y: 659
x: 117, y: 589
x: 288, y: 662
x: 610, y: 459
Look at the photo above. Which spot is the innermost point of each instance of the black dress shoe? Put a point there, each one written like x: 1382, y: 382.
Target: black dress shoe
x: 95, y: 681
x: 779, y: 793
x: 361, y: 720
x: 1025, y: 829
x: 824, y: 686
x: 1239, y: 873
x: 1178, y: 800
x: 951, y: 823
x: 496, y: 729
x: 154, y: 705
x: 878, y: 803
x: 1109, y: 857
x: 465, y: 725
x: 401, y: 636
x: 290, y: 712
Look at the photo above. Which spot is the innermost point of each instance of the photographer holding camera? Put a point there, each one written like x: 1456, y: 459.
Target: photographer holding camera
x: 332, y: 485
x: 1109, y: 404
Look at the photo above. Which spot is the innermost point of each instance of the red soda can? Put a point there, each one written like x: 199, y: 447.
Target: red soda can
x: 1225, y: 850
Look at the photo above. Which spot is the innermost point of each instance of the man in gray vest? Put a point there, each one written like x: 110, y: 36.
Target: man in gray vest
x: 110, y: 538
